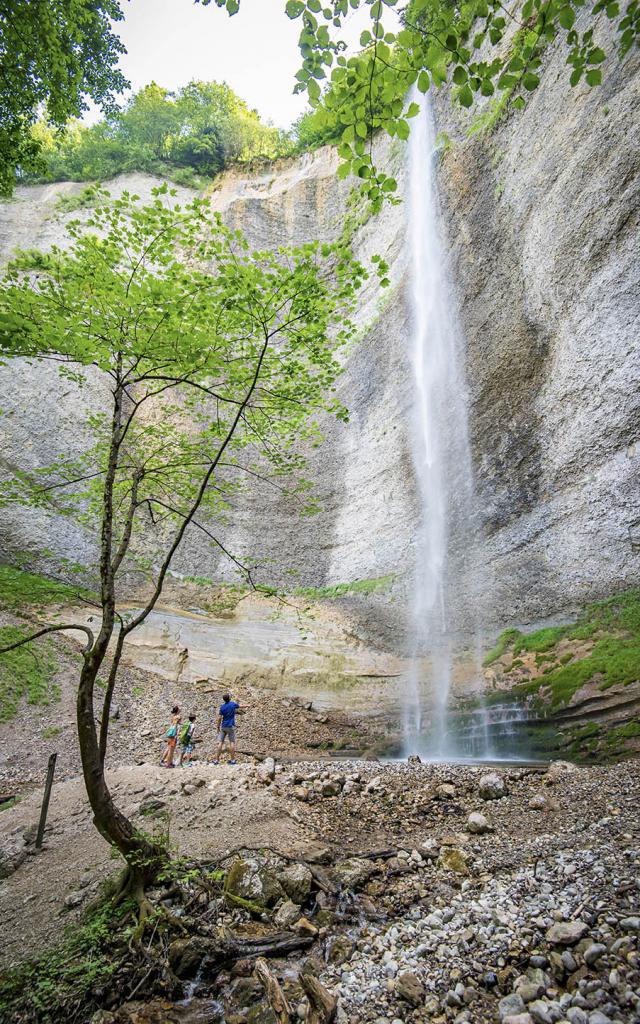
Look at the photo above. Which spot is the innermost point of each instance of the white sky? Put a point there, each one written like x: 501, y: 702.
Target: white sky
x: 172, y: 42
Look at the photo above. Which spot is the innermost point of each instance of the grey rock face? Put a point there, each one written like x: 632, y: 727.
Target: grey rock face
x: 542, y: 228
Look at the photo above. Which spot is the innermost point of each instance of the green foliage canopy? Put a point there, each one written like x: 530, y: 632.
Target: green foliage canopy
x: 196, y: 131
x: 209, y: 348
x: 56, y: 54
x: 439, y: 41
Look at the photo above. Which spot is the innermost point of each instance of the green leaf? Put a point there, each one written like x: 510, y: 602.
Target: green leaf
x: 594, y: 77
x: 361, y: 129
x: 596, y: 56
x: 423, y: 81
x: 465, y: 96
x: 566, y: 17
x: 530, y: 81
x: 402, y: 129
x: 293, y: 8
x: 460, y: 75
x: 519, y: 103
x: 413, y: 110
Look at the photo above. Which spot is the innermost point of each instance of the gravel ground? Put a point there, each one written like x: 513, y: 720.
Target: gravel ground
x: 511, y: 898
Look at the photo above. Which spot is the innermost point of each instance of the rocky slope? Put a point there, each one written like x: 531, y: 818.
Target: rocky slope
x: 542, y: 223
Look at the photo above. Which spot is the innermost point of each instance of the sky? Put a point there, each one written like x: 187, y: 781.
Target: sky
x: 172, y: 42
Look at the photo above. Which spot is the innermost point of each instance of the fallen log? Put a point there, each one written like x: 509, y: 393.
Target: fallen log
x: 275, y: 995
x: 323, y: 1005
x: 188, y: 955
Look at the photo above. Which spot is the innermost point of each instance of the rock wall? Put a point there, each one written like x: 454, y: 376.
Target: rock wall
x: 542, y: 224
x: 542, y: 218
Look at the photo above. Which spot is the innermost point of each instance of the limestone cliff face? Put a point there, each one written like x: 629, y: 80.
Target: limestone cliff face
x: 542, y: 224
x: 542, y: 218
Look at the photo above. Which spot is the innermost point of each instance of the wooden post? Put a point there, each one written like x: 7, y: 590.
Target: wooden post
x: 45, y: 800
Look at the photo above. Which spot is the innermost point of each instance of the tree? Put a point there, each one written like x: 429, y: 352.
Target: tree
x: 202, y: 127
x: 460, y: 42
x: 53, y: 53
x: 218, y: 360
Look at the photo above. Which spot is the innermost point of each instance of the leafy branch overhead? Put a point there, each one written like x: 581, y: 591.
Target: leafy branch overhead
x: 466, y: 44
x: 57, y: 55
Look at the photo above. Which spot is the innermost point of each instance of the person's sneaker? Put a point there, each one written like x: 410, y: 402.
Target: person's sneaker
x: 215, y: 762
x: 233, y: 762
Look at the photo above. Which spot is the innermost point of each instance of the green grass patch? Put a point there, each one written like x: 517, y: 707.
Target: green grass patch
x: 25, y: 672
x: 19, y: 589
x: 367, y: 586
x: 85, y: 199
x: 614, y: 628
x: 54, y: 986
x: 502, y: 644
x: 51, y: 732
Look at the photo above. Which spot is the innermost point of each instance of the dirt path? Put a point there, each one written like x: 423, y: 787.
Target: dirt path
x: 216, y: 812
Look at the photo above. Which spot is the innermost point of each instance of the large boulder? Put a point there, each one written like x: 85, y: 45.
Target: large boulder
x: 12, y: 855
x: 248, y: 879
x: 296, y: 881
x: 353, y: 872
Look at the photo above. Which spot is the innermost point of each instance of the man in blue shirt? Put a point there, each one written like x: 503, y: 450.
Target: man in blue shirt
x: 226, y: 726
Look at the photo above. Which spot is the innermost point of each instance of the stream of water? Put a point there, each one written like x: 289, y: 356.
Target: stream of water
x: 441, y: 455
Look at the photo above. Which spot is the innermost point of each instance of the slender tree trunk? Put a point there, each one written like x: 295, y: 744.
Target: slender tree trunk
x: 143, y: 857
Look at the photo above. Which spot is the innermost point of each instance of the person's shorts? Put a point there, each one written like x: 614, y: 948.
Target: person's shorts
x: 228, y: 733
x: 187, y: 747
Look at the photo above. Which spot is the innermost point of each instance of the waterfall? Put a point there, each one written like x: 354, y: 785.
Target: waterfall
x: 441, y: 450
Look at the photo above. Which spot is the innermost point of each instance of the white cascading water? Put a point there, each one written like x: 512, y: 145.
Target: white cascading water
x: 440, y: 448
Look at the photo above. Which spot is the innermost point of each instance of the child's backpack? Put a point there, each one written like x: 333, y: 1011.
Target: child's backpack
x: 172, y: 732
x: 185, y: 733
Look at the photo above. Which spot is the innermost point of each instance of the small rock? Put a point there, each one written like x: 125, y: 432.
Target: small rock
x: 567, y: 933
x: 539, y: 1010
x: 266, y: 772
x: 492, y: 786
x: 151, y: 805
x: 430, y: 849
x: 296, y: 881
x: 446, y: 791
x: 559, y: 770
x: 510, y: 1006
x: 593, y: 953
x: 12, y: 855
x: 330, y: 787
x: 410, y: 988
x: 452, y: 858
x: 542, y: 802
x: 303, y: 926
x: 74, y: 899
x: 630, y: 924
x: 477, y: 824
x: 287, y: 914
x: 353, y: 872
x: 518, y: 1018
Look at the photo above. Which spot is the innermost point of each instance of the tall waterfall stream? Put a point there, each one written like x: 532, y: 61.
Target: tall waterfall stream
x: 443, y: 468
